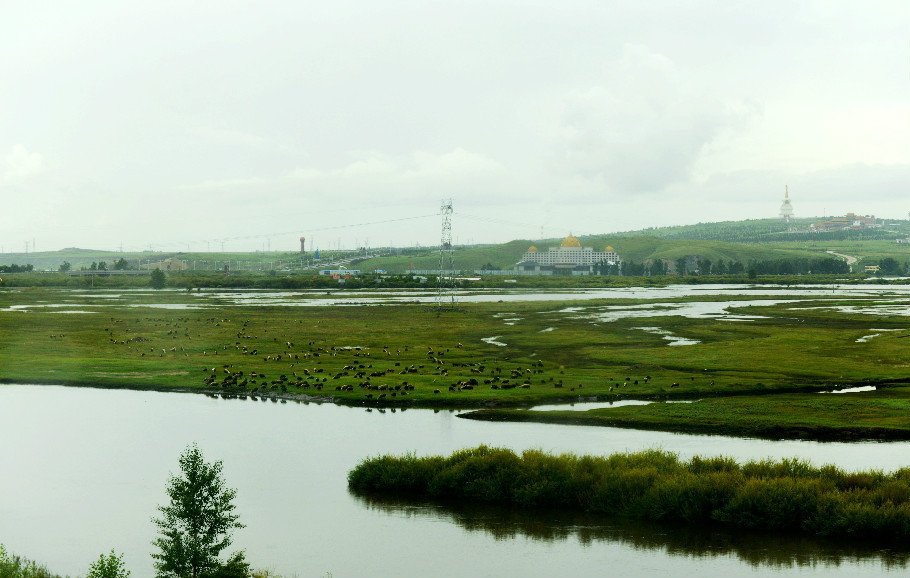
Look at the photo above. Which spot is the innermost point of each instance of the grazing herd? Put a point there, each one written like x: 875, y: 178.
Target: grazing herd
x: 259, y: 367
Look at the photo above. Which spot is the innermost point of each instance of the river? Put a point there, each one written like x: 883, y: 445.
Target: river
x: 84, y: 470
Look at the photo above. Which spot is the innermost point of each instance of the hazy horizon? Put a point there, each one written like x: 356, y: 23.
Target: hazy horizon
x: 214, y: 246
x: 183, y: 126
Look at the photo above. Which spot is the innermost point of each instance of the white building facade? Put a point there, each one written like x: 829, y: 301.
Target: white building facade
x: 570, y: 257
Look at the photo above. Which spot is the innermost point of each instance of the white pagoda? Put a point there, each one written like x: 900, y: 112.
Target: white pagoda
x: 786, y: 209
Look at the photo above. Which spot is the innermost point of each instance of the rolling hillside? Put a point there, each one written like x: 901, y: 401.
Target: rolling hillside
x: 743, y: 241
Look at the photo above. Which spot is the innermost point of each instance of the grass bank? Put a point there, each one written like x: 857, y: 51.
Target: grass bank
x: 654, y: 485
x: 883, y: 415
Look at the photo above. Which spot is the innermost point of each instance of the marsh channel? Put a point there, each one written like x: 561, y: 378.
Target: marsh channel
x: 84, y: 470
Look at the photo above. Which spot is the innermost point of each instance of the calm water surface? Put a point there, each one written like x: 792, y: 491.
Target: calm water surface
x: 84, y: 469
x: 876, y: 299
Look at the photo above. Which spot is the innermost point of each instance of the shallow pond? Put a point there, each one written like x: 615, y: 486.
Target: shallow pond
x: 84, y: 469
x: 891, y: 299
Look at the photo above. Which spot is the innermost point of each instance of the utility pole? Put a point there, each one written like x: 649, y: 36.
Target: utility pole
x: 445, y: 277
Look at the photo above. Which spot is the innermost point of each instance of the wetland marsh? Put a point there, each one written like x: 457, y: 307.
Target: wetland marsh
x: 509, y: 350
x: 393, y: 376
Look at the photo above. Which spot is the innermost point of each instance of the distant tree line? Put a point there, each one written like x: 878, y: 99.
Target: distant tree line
x: 891, y: 266
x: 697, y: 266
x: 800, y: 266
x: 16, y: 268
x: 118, y: 265
x: 764, y: 231
x: 845, y: 235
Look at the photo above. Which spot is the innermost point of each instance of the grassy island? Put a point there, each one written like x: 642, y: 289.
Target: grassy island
x: 653, y: 485
x: 835, y: 417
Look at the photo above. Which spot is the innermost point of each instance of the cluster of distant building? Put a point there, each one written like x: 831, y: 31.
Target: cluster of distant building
x: 569, y: 258
x: 848, y: 221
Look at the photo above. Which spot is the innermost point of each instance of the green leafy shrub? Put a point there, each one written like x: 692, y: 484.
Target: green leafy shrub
x: 108, y: 566
x: 12, y: 566
x: 787, y: 494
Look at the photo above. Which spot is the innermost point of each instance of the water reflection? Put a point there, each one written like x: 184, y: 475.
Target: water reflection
x: 70, y: 459
x: 757, y: 549
x: 586, y: 405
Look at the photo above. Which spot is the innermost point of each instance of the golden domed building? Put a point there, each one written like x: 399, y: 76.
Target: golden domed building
x: 570, y: 258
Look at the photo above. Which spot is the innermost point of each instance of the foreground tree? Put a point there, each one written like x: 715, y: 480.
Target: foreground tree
x: 196, y: 526
x: 108, y: 566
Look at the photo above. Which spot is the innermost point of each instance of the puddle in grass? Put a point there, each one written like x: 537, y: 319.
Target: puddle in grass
x: 668, y: 336
x: 692, y: 310
x: 852, y: 389
x: 866, y: 338
x: 586, y: 405
x: 899, y: 309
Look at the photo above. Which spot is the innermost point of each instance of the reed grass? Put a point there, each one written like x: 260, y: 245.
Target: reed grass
x: 789, y: 494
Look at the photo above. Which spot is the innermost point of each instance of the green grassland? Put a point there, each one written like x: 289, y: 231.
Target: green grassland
x: 411, y: 356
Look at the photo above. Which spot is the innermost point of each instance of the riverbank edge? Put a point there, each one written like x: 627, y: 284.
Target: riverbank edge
x: 782, y: 432
x: 449, y: 403
x: 518, y: 411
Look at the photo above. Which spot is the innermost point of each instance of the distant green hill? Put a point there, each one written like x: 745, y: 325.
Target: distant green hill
x: 83, y: 258
x: 637, y: 248
x: 771, y: 231
x: 743, y: 241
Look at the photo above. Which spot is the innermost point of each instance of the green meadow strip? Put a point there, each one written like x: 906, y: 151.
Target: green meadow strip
x: 832, y: 417
x: 654, y: 485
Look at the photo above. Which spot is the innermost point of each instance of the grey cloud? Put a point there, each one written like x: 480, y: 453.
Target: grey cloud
x: 642, y: 128
x: 20, y: 164
x: 144, y: 122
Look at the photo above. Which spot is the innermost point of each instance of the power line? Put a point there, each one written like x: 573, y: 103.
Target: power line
x: 511, y: 223
x: 222, y: 240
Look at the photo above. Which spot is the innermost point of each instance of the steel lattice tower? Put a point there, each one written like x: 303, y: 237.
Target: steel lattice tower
x: 445, y: 278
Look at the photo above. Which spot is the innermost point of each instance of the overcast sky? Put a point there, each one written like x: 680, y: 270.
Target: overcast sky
x: 181, y: 124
